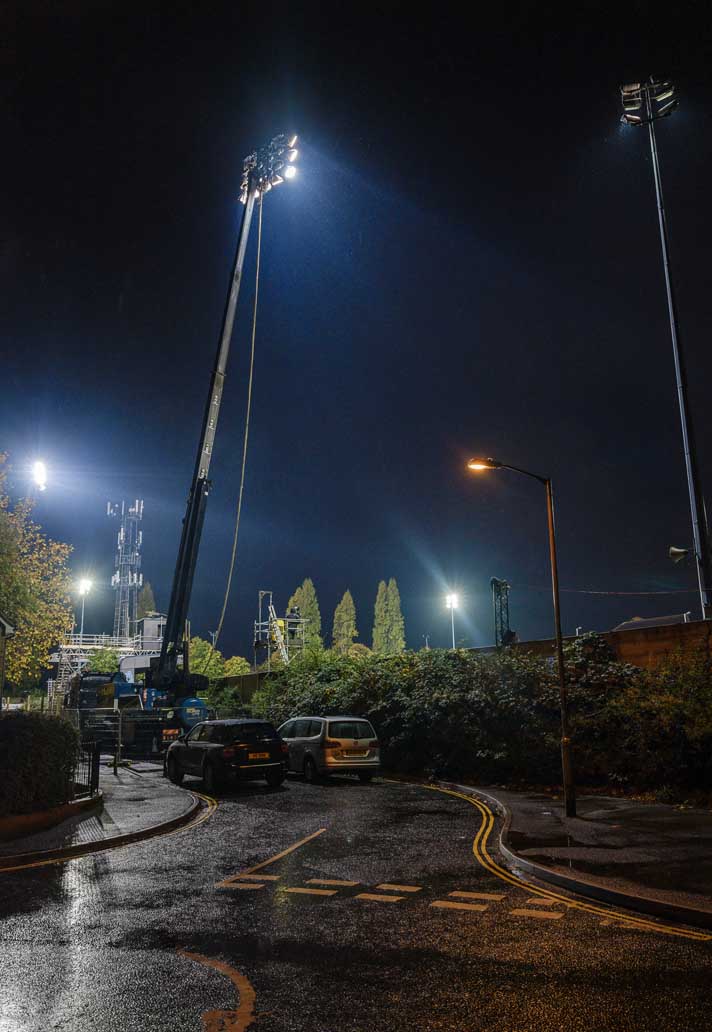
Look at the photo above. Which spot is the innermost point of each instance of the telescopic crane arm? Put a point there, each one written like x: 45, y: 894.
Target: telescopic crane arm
x: 261, y: 171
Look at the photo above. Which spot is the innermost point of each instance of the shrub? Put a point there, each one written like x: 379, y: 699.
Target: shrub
x: 37, y: 758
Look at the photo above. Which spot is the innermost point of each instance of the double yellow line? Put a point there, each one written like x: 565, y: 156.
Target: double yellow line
x: 479, y: 848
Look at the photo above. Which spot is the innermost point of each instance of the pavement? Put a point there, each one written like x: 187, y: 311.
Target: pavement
x: 135, y: 799
x: 311, y: 908
x: 651, y: 850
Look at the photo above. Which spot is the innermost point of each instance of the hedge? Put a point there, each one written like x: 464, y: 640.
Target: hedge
x: 38, y: 754
x: 495, y: 717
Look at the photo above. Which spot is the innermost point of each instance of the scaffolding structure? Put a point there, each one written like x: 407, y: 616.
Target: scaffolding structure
x: 282, y: 634
x: 128, y: 579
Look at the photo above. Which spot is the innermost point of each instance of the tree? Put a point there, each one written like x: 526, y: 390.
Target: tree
x: 305, y: 598
x: 236, y: 666
x: 396, y: 623
x: 104, y: 661
x: 206, y: 660
x: 146, y: 601
x: 380, y: 620
x: 344, y: 630
x: 34, y: 590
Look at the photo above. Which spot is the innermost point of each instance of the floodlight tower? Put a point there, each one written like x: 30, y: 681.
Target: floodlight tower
x: 127, y: 578
x: 643, y: 104
x: 264, y: 168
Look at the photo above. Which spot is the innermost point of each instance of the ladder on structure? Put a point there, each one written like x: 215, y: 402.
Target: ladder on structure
x: 278, y: 636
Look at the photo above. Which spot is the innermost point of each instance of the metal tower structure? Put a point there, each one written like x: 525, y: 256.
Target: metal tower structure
x: 128, y: 577
x: 500, y: 606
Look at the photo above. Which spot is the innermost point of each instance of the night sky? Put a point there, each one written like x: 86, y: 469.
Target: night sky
x: 468, y: 262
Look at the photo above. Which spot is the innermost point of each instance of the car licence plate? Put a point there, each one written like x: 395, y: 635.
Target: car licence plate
x: 258, y: 756
x: 354, y: 752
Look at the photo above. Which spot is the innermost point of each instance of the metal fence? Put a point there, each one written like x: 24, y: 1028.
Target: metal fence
x: 86, y: 772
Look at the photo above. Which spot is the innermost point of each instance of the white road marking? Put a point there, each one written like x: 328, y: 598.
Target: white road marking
x: 495, y: 896
x: 400, y: 888
x: 313, y: 892
x: 331, y: 881
x: 449, y: 904
x: 379, y: 899
x: 546, y: 915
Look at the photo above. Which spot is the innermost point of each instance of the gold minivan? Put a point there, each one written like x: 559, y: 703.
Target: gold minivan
x: 320, y: 746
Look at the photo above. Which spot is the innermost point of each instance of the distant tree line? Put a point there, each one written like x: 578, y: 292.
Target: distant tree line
x: 388, y: 634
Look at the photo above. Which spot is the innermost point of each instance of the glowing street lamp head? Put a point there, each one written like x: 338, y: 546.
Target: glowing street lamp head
x: 84, y: 586
x: 39, y: 475
x: 480, y: 464
x: 452, y: 601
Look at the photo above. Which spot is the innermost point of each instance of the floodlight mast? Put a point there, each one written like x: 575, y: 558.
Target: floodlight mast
x: 643, y: 104
x: 262, y: 170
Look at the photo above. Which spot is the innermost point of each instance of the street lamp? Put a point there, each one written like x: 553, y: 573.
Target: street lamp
x: 39, y: 475
x: 479, y: 465
x: 84, y: 587
x: 643, y: 104
x: 452, y: 602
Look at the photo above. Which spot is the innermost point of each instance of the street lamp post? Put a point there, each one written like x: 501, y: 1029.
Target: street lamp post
x: 479, y: 465
x: 84, y: 589
x: 452, y: 601
x: 643, y: 104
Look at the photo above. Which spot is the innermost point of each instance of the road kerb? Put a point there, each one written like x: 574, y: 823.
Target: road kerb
x: 41, y: 858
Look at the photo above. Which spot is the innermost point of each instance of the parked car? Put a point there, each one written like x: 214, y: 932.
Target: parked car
x: 332, y: 745
x: 216, y: 750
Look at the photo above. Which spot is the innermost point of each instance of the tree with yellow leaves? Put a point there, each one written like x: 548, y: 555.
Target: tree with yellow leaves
x: 34, y: 590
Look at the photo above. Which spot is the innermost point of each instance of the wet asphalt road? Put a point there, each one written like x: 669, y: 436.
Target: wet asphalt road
x: 95, y: 943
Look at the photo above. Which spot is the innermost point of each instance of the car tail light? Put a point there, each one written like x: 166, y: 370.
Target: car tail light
x: 374, y: 744
x: 284, y: 747
x: 229, y: 753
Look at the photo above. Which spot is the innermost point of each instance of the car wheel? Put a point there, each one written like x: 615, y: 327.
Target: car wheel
x: 211, y: 779
x: 274, y: 779
x: 174, y: 773
x: 310, y: 772
x: 365, y: 777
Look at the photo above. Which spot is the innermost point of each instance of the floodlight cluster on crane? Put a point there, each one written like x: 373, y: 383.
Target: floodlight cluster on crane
x: 645, y: 102
x: 269, y: 166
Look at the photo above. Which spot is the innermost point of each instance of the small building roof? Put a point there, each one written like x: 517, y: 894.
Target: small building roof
x: 637, y: 623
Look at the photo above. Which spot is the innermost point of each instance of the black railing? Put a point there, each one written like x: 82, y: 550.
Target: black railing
x: 86, y: 772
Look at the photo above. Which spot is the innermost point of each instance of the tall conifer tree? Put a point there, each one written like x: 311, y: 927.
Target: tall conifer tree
x: 305, y: 598
x: 380, y: 620
x: 344, y: 631
x: 395, y: 621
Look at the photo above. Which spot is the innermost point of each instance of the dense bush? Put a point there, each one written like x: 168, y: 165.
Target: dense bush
x: 37, y: 758
x: 496, y: 716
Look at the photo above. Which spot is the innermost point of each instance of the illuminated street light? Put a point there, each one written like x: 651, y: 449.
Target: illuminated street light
x: 269, y: 167
x: 479, y: 465
x: 452, y: 602
x: 643, y: 104
x: 83, y: 587
x: 39, y: 475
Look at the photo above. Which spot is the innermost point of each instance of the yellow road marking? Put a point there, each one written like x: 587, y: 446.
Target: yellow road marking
x: 448, y: 904
x: 273, y: 859
x: 106, y: 845
x: 379, y: 899
x: 313, y: 892
x: 545, y: 914
x: 227, y: 1021
x: 538, y: 902
x: 261, y: 877
x: 245, y: 885
x: 479, y: 848
x: 400, y: 888
x: 328, y: 881
x: 495, y: 896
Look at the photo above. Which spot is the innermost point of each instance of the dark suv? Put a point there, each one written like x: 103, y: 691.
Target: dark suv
x: 217, y: 749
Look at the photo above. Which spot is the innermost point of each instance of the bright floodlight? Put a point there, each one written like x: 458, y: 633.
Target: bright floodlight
x: 84, y: 586
x: 39, y: 475
x: 651, y: 100
x: 290, y: 172
x: 268, y: 167
x: 452, y: 601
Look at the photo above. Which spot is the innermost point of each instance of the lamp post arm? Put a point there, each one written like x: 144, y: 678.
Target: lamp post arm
x: 526, y: 473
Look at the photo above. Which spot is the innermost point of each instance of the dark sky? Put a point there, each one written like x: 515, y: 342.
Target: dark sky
x: 468, y: 262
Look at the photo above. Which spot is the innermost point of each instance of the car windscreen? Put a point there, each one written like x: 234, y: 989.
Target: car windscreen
x: 250, y: 732
x: 350, y: 729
